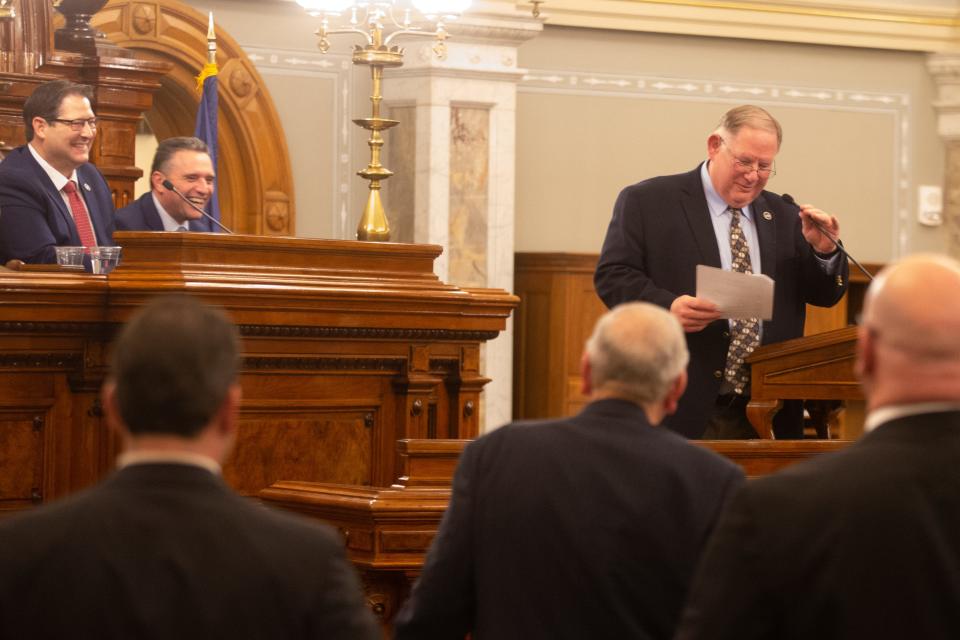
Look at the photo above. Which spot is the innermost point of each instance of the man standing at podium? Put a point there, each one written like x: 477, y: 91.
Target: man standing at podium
x: 582, y: 527
x: 720, y: 215
x: 185, y: 163
x: 50, y: 195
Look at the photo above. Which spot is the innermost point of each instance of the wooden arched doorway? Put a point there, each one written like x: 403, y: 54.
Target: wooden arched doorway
x: 254, y: 176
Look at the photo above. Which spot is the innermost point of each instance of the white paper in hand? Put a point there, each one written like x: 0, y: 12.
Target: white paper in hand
x: 739, y: 295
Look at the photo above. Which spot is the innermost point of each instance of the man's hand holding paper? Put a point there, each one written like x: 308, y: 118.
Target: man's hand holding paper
x: 736, y: 295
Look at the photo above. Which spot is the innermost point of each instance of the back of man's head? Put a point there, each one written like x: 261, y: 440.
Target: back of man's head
x: 173, y: 365
x: 637, y: 352
x: 46, y: 99
x: 909, y: 348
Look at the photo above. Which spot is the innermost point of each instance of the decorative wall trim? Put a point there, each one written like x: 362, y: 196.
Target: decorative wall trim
x: 895, y: 104
x: 336, y: 67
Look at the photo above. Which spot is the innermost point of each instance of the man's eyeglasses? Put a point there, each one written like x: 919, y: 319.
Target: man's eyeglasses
x: 77, y: 125
x: 745, y: 165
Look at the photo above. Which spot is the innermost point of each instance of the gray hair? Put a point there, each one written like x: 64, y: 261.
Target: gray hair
x: 637, y: 351
x: 748, y: 115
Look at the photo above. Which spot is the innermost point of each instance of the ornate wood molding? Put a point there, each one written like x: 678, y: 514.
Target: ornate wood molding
x: 255, y: 177
x: 275, y: 331
x: 393, y: 365
x: 40, y: 360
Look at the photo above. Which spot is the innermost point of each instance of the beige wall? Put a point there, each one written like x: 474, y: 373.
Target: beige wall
x: 315, y: 96
x: 603, y: 109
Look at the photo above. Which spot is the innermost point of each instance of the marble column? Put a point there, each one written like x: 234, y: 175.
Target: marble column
x: 454, y: 154
x: 945, y: 69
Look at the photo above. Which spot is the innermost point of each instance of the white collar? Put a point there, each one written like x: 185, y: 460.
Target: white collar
x: 892, y: 412
x: 58, y: 179
x: 169, y: 223
x: 146, y: 456
x: 715, y: 203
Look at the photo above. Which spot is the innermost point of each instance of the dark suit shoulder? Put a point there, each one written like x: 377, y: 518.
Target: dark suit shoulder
x: 663, y: 185
x: 133, y: 217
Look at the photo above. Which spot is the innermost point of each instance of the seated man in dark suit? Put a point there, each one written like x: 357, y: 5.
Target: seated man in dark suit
x: 186, y: 163
x: 863, y: 543
x: 163, y: 548
x: 582, y: 527
x: 50, y: 195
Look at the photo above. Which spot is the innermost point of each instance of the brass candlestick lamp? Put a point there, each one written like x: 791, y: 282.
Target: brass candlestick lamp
x: 7, y: 12
x: 378, y: 22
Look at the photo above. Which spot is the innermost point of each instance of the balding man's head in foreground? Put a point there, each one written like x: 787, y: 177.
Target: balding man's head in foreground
x: 637, y: 352
x: 909, y: 338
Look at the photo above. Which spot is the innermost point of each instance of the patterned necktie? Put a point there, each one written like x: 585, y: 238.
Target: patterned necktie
x: 80, y: 216
x: 745, y: 332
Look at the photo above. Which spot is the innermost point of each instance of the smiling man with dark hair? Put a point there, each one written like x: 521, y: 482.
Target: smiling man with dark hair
x: 50, y: 194
x: 184, y: 162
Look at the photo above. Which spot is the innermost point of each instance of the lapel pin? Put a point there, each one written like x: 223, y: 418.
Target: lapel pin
x: 86, y: 186
x: 766, y: 215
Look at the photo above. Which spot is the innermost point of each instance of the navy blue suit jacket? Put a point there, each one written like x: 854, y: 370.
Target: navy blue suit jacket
x: 169, y: 551
x: 142, y: 215
x: 33, y: 216
x: 139, y: 215
x: 661, y: 231
x: 583, y: 527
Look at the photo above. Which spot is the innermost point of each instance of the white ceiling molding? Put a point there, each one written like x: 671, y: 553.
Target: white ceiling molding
x: 914, y: 25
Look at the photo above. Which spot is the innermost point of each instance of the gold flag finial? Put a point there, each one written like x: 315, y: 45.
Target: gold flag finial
x: 209, y: 69
x: 211, y: 43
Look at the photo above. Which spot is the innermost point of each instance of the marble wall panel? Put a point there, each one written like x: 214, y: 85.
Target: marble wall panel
x: 469, y: 195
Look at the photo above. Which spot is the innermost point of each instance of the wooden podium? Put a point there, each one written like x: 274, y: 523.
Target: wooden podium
x: 817, y: 367
x: 347, y: 346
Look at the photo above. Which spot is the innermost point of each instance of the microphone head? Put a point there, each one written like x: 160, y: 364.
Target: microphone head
x: 169, y: 186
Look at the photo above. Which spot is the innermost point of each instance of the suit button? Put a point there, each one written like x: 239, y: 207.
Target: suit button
x: 726, y: 334
x: 718, y: 374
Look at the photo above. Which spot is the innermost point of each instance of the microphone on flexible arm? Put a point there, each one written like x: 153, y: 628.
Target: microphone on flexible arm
x: 789, y: 200
x: 169, y: 186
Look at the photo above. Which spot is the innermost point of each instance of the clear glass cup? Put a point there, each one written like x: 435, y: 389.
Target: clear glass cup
x: 104, y: 259
x: 70, y: 256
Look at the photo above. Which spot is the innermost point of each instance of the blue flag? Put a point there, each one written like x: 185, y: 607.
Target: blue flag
x: 206, y: 130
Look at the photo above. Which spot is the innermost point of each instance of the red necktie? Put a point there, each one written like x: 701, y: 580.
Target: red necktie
x: 80, y: 215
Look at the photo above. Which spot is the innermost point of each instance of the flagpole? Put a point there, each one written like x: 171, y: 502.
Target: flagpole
x: 206, y: 128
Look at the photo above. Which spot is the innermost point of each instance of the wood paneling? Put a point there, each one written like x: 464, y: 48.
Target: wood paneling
x: 558, y: 308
